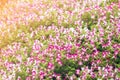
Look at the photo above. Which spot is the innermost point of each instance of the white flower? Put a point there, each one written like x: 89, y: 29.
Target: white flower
x: 99, y: 79
x: 72, y: 29
x: 79, y: 79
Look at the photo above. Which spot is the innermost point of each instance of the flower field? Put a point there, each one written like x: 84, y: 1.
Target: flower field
x: 60, y: 40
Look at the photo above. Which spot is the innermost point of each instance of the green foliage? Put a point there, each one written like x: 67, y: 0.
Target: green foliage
x: 117, y: 61
x: 102, y: 4
x: 100, y: 48
x: 12, y: 59
x: 108, y: 16
x: 90, y: 78
x: 115, y: 11
x: 86, y: 17
x: 88, y: 20
x: 23, y: 74
x: 68, y: 67
x: 116, y: 39
x: 33, y: 24
x: 108, y: 2
x: 112, y: 1
x: 118, y: 74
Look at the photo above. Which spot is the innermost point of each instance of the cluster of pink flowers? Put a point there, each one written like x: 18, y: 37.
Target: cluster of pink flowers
x: 71, y: 47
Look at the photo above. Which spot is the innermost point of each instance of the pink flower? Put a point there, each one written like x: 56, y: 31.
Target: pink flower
x: 60, y: 62
x: 77, y: 71
x: 93, y: 75
x: 68, y: 56
x: 98, y: 61
x: 92, y: 43
x: 116, y: 52
x: 77, y: 44
x: 43, y: 61
x: 106, y: 44
x: 75, y: 56
x: 59, y: 55
x: 36, y: 47
x: 50, y: 65
x: 51, y: 46
x: 83, y: 49
x: 58, y: 76
x: 57, y: 47
x: 19, y: 57
x: 41, y: 74
x: 95, y: 53
x: 105, y: 53
x: 118, y: 25
x: 80, y: 63
x: 33, y: 72
x: 109, y: 7
x: 19, y: 78
x: 68, y: 46
x: 28, y: 78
